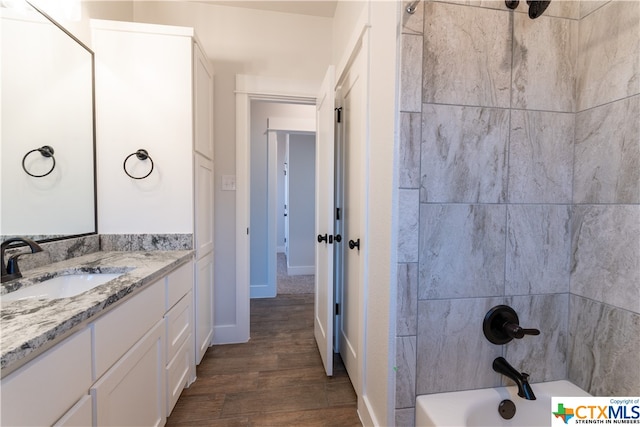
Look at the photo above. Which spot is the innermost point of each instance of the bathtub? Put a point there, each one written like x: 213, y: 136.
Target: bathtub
x: 480, y: 407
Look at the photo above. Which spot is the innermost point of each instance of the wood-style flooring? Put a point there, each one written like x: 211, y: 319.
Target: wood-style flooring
x: 276, y: 379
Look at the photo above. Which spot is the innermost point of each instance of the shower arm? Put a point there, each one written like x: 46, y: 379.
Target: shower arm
x: 411, y: 8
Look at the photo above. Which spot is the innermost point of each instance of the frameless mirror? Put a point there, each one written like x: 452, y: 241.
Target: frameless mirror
x: 47, y: 142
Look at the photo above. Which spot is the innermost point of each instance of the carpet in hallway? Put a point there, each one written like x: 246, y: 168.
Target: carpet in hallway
x: 303, y: 284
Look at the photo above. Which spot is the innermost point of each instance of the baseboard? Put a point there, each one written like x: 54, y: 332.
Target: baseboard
x: 262, y: 290
x: 365, y: 412
x: 301, y: 270
x: 228, y: 334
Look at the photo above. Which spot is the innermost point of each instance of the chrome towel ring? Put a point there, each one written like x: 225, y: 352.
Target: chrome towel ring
x: 46, y: 151
x: 142, y: 155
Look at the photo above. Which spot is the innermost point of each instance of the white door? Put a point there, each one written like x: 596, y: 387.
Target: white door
x: 286, y: 199
x: 325, y: 211
x: 351, y: 98
x: 264, y: 251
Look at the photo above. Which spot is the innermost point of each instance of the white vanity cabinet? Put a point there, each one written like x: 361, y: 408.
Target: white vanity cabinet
x: 48, y: 388
x: 154, y: 90
x: 147, y: 343
x: 126, y: 367
x: 128, y: 346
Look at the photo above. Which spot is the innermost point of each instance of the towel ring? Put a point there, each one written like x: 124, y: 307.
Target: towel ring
x: 141, y: 154
x: 46, y: 151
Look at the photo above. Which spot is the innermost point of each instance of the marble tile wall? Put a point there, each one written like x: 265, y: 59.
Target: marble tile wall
x: 59, y: 250
x: 604, y: 324
x: 609, y: 60
x: 146, y: 242
x: 528, y: 180
x: 603, y: 346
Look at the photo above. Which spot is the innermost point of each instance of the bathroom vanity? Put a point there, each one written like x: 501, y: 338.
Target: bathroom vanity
x: 118, y: 354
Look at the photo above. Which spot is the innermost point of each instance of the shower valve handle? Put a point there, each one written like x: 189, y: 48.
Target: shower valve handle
x: 516, y: 331
x: 501, y: 325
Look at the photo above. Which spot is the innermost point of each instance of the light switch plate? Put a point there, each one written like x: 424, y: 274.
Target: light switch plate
x: 228, y: 183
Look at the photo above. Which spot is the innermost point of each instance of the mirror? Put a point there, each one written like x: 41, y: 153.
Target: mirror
x: 47, y: 142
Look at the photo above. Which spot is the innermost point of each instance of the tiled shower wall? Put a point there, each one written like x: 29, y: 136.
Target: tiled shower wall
x: 519, y: 185
x: 604, y: 308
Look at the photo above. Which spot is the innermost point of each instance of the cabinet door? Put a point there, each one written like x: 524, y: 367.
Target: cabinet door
x: 144, y: 99
x: 132, y: 392
x: 203, y: 103
x: 40, y: 392
x: 203, y: 206
x: 80, y: 415
x: 203, y: 305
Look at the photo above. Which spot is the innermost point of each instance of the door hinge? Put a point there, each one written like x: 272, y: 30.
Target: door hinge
x: 247, y: 231
x: 337, y: 309
x: 339, y: 114
x: 337, y: 214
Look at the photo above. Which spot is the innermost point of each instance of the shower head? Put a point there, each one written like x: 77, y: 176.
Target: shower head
x: 537, y: 7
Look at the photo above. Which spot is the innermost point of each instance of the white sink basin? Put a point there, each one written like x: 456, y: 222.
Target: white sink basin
x: 61, y: 286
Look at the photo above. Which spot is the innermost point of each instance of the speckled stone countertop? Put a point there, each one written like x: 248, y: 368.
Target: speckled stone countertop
x: 29, y: 327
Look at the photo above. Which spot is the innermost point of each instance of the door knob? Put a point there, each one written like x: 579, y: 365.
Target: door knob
x: 355, y: 244
x: 338, y: 238
x: 322, y: 238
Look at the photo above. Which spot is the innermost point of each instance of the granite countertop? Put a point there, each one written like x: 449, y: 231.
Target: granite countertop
x: 29, y: 327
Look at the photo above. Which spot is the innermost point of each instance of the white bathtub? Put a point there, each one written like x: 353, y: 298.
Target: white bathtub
x: 480, y: 407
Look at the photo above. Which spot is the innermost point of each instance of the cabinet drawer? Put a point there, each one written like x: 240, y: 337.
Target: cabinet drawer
x: 81, y: 415
x: 178, y: 321
x: 178, y: 373
x: 121, y: 328
x: 44, y: 389
x: 179, y: 282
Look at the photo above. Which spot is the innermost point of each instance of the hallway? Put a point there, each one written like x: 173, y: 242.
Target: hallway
x: 276, y: 379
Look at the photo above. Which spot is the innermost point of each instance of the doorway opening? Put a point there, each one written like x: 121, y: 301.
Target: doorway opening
x: 282, y: 198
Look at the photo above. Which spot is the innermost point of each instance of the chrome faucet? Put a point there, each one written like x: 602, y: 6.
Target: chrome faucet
x: 10, y: 270
x: 501, y: 366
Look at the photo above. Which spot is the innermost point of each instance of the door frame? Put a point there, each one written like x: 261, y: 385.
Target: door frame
x: 250, y: 88
x: 286, y: 127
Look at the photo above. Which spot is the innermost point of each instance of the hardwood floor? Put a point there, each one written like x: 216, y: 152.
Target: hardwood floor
x: 276, y: 379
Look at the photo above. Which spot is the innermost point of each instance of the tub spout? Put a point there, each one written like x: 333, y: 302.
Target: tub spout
x: 501, y: 366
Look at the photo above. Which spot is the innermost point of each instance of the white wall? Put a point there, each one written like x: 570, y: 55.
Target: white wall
x: 345, y: 20
x: 382, y: 210
x: 121, y: 10
x: 242, y: 41
x: 302, y: 206
x: 377, y: 400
